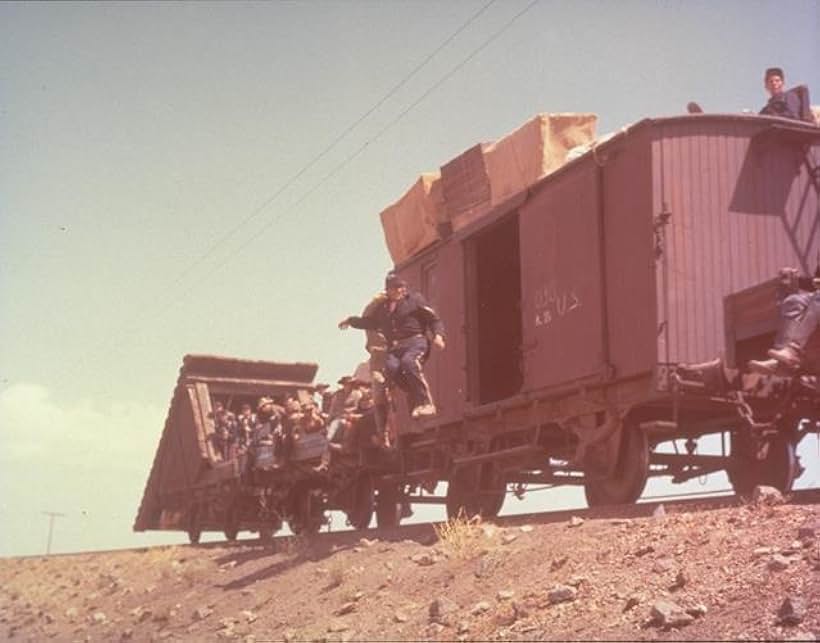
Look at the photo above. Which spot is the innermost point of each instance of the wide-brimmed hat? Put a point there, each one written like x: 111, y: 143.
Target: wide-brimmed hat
x: 263, y: 402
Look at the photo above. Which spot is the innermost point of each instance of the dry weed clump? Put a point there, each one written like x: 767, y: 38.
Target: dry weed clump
x: 462, y: 536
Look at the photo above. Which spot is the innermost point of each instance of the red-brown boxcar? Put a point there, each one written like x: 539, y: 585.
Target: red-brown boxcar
x: 568, y: 307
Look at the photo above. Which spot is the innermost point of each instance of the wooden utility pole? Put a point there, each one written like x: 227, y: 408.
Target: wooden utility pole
x: 51, y: 516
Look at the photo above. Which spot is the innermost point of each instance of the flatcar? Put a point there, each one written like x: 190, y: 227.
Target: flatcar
x: 194, y: 488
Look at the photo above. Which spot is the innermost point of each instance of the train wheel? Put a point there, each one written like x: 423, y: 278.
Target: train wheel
x: 194, y: 526
x: 626, y: 482
x: 493, y: 490
x: 362, y: 496
x: 777, y: 469
x: 266, y: 534
x: 475, y: 490
x: 307, y: 511
x: 463, y: 492
x: 232, y: 521
x: 388, y: 506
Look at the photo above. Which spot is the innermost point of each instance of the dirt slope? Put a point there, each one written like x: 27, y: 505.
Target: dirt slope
x: 732, y: 569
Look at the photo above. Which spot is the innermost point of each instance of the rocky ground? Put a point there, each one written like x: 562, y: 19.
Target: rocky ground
x: 746, y: 572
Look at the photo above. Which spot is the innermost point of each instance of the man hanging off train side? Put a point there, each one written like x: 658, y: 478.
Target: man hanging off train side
x: 407, y: 321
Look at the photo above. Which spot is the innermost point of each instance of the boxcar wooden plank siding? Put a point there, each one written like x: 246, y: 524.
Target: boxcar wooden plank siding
x: 739, y: 206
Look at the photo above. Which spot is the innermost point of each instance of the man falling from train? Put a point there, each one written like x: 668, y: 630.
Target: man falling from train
x: 407, y: 321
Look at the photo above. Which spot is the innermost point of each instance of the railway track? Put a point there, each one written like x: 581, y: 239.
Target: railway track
x: 425, y: 532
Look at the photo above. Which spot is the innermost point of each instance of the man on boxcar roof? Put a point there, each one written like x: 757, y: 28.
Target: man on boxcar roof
x: 781, y: 103
x: 405, y: 319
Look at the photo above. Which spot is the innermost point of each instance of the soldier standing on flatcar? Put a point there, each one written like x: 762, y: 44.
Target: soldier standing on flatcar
x: 224, y: 431
x: 268, y: 430
x: 245, y: 424
x: 405, y: 319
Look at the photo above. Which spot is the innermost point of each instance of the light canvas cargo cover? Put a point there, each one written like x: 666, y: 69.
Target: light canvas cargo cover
x: 411, y: 223
x: 185, y: 463
x: 481, y: 178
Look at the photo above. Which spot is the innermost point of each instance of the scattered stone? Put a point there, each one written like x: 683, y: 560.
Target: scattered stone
x: 576, y: 521
x: 697, y: 611
x: 201, y: 613
x: 763, y: 495
x: 505, y: 594
x: 632, y: 601
x: 558, y: 563
x: 577, y: 581
x: 643, y: 551
x: 250, y: 617
x: 669, y: 615
x: 288, y: 636
x: 463, y: 627
x: 400, y: 617
x: 347, y: 608
x: 489, y: 531
x: 99, y: 617
x: 72, y: 612
x: 366, y: 542
x: 434, y: 629
x: 526, y: 528
x: 441, y: 610
x: 423, y: 560
x: 480, y: 608
x: 778, y: 563
x: 358, y: 595
x: 127, y: 633
x: 792, y: 611
x: 337, y: 626
x: 659, y: 512
x: 482, y: 568
x: 248, y: 591
x: 681, y: 579
x: 561, y: 594
x: 808, y: 531
x: 663, y: 565
x: 763, y: 551
x: 508, y: 537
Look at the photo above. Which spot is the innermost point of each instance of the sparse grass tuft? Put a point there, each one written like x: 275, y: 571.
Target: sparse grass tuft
x: 462, y: 536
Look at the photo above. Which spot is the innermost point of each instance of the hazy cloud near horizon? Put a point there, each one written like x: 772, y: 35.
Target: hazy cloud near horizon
x: 82, y: 459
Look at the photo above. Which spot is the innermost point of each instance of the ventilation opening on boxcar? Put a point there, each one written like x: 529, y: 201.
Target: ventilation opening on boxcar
x: 497, y: 312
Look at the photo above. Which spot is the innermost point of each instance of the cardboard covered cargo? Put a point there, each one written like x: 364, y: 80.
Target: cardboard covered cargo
x: 482, y: 177
x: 411, y: 223
x: 521, y: 158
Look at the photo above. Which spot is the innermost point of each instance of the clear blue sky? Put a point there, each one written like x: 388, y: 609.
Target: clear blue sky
x: 148, y: 205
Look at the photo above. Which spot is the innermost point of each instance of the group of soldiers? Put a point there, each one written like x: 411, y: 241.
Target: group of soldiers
x: 275, y: 422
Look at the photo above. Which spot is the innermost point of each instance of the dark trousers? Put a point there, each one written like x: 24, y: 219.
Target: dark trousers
x: 403, y: 366
x: 800, y: 313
